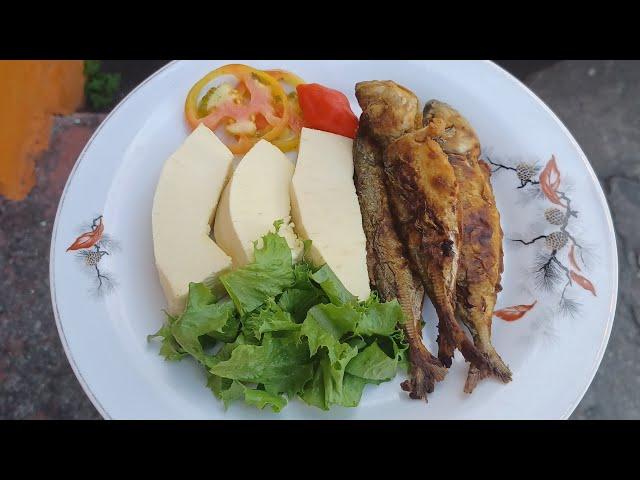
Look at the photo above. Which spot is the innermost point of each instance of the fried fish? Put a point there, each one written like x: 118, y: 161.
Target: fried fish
x: 389, y: 111
x: 480, y: 244
x: 424, y: 195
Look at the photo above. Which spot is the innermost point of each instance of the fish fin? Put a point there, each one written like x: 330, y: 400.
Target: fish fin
x: 446, y: 346
x: 451, y: 337
x: 473, y: 378
x: 424, y: 371
x: 495, y: 368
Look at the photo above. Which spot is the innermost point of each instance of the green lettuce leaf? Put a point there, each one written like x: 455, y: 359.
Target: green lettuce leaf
x: 373, y: 364
x: 313, y: 392
x: 380, y: 318
x: 302, y: 272
x: 333, y: 369
x: 229, y: 330
x: 230, y: 391
x: 332, y: 286
x: 303, y: 294
x: 326, y: 324
x: 281, y: 364
x: 270, y: 318
x: 323, y: 328
x: 400, y: 348
x: 271, y: 272
x: 202, y: 316
x: 298, y: 302
x: 357, y: 342
x: 169, y: 349
x: 331, y: 386
x: 348, y: 361
x: 235, y: 390
x: 260, y: 399
x: 352, y: 388
x: 216, y: 383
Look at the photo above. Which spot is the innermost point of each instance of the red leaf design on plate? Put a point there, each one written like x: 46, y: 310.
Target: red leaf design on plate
x: 515, y: 312
x: 550, y: 181
x: 88, y: 239
x: 572, y: 259
x: 583, y: 282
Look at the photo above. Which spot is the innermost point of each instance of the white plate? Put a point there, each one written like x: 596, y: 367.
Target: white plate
x: 553, y: 356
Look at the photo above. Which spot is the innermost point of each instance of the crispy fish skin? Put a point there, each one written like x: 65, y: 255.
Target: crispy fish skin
x: 481, y: 255
x: 424, y: 195
x: 389, y: 269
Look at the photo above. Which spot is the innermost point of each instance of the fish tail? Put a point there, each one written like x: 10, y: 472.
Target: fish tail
x: 424, y: 369
x: 493, y: 365
x: 495, y: 368
x: 446, y: 346
x: 473, y: 378
x: 471, y: 353
x: 446, y: 326
x: 476, y: 356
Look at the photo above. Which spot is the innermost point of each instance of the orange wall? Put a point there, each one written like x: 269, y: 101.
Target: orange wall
x: 30, y: 92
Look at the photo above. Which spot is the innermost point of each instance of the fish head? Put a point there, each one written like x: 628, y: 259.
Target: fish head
x: 452, y: 131
x: 389, y: 110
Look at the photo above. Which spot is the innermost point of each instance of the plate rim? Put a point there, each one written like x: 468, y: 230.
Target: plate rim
x: 609, y: 220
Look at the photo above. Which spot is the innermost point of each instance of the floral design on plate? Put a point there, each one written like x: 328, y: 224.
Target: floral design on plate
x: 560, y: 264
x: 90, y: 247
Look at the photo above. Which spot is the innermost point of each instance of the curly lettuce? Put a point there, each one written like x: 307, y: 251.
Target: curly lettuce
x: 286, y: 330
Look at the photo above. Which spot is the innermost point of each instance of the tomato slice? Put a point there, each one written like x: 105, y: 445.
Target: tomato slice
x: 290, y: 139
x: 261, y: 96
x: 287, y: 77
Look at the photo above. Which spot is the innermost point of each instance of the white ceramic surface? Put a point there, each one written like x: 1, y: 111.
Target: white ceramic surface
x: 553, y: 356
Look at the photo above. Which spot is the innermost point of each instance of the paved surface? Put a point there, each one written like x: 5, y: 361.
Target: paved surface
x: 596, y: 100
x: 36, y: 381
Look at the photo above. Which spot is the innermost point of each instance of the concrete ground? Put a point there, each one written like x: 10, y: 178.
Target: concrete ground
x: 597, y: 100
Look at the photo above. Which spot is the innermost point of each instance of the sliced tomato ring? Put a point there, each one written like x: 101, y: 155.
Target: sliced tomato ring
x: 290, y: 139
x: 261, y: 95
x: 286, y: 77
